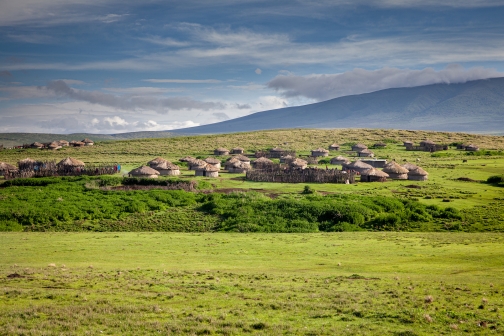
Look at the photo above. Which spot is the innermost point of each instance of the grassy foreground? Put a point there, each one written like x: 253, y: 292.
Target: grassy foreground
x: 268, y: 284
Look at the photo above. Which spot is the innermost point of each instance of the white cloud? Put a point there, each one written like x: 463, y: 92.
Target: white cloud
x: 165, y: 41
x: 184, y: 81
x: 357, y: 81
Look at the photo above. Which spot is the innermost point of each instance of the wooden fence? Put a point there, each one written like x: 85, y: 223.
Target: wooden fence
x: 50, y: 168
x: 279, y: 173
x: 433, y: 148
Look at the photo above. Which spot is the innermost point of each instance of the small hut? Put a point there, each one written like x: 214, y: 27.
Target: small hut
x: 53, y: 145
x: 373, y: 175
x: 298, y: 164
x: 395, y: 171
x: 88, y: 142
x: 409, y: 166
x: 187, y: 159
x: 79, y: 144
x: 221, y: 151
x: 376, y: 163
x: 63, y: 143
x: 365, y: 153
x: 334, y: 147
x: 243, y: 158
x: 357, y: 166
x: 427, y: 143
x: 380, y: 145
x: 339, y: 160
x: 5, y: 167
x: 213, y: 161
x: 237, y: 150
x: 472, y: 148
x: 197, y: 164
x: 261, y: 162
x: 358, y: 147
x: 286, y: 158
x: 462, y: 145
x: 207, y: 171
x: 238, y: 167
x: 70, y: 162
x: 144, y: 172
x: 407, y: 143
x: 166, y: 168
x: 28, y: 164
x: 230, y: 161
x: 37, y: 145
x: 319, y: 152
x: 155, y: 162
x: 418, y: 174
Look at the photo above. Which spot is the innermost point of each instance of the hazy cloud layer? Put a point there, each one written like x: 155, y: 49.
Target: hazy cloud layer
x: 327, y: 86
x: 161, y: 105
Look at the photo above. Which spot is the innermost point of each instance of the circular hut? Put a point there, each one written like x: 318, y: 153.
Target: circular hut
x: 358, y: 147
x: 214, y: 162
x: 427, y: 144
x: 63, y: 143
x: 409, y: 166
x: 472, y: 148
x: 373, y: 175
x: 407, y: 143
x: 298, y: 164
x: 28, y: 164
x: 243, y: 158
x: 88, y: 142
x: 53, y: 145
x: 319, y: 152
x: 221, y: 151
x: 418, y: 174
x: 230, y: 161
x: 70, y: 162
x: 365, y: 153
x: 334, y: 147
x: 395, y: 171
x: 286, y: 158
x: 380, y: 145
x: 79, y: 144
x: 339, y: 160
x: 261, y: 163
x: 5, y: 167
x: 357, y: 166
x: 197, y: 164
x: 37, y: 145
x: 238, y: 167
x: 144, y: 172
x: 166, y: 168
x: 207, y: 171
x: 155, y: 162
x: 237, y: 150
x: 187, y: 159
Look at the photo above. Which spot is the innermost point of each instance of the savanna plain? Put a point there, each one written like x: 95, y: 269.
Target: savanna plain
x: 92, y: 255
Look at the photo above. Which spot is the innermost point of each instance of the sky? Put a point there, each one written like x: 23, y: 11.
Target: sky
x: 113, y: 66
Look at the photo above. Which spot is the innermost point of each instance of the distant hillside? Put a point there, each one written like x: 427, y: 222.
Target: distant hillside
x: 14, y: 139
x: 476, y: 106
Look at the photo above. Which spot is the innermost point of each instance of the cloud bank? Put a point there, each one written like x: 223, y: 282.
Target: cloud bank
x: 327, y: 86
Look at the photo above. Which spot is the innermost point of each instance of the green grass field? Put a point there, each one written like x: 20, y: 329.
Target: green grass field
x: 265, y: 284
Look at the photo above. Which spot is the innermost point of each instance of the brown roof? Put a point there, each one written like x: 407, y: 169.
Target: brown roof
x: 7, y: 166
x: 359, y: 145
x: 144, y: 170
x: 374, y: 172
x: 238, y: 148
x: 276, y: 149
x: 366, y: 151
x: 212, y: 160
x: 242, y: 158
x: 210, y: 168
x: 394, y: 168
x: 166, y: 165
x: 239, y: 164
x: 263, y: 160
x: 428, y: 142
x: 322, y: 150
x: 418, y: 172
x: 156, y: 161
x: 37, y: 144
x: 63, y: 142
x: 299, y: 162
x: 54, y: 144
x: 334, y: 145
x: 27, y: 160
x: 87, y: 140
x: 198, y: 163
x: 358, y: 164
x: 71, y: 162
x: 187, y: 159
x: 409, y: 166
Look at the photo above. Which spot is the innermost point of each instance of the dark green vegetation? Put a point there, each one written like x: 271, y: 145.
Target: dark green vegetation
x: 251, y: 284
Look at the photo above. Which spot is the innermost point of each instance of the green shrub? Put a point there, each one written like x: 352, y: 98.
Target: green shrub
x: 496, y: 179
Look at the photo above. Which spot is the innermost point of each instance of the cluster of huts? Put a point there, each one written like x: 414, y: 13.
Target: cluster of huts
x: 60, y: 143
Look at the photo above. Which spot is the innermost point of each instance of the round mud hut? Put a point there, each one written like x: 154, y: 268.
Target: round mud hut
x: 395, y: 171
x: 427, y: 144
x: 472, y: 148
x: 357, y: 166
x: 365, y: 153
x: 71, y: 163
x: 207, y: 171
x: 79, y: 144
x: 197, y: 164
x: 286, y: 158
x: 155, y: 162
x: 380, y: 145
x: 37, y: 145
x: 243, y: 158
x: 418, y: 174
x: 319, y: 152
x: 221, y: 151
x: 187, y: 159
x: 409, y: 166
x: 358, y: 147
x: 88, y: 142
x: 237, y: 150
x: 238, y: 167
x: 339, y: 160
x: 53, y: 145
x: 5, y: 167
x: 144, y: 172
x: 334, y: 147
x: 230, y: 161
x: 407, y: 143
x: 373, y: 175
x: 298, y: 164
x: 166, y: 168
x: 63, y: 143
x: 213, y: 161
x: 261, y: 163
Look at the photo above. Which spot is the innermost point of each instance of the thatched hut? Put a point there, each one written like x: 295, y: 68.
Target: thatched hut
x: 339, y: 160
x: 144, y: 172
x: 5, y: 167
x: 88, y: 142
x: 427, y: 143
x: 155, y: 162
x: 243, y: 158
x: 358, y: 147
x: 197, y: 164
x: 365, y: 153
x: 221, y: 151
x: 373, y: 175
x: 230, y: 161
x: 63, y: 143
x: 53, y: 145
x: 334, y: 147
x: 418, y: 174
x: 238, y: 167
x: 319, y: 152
x: 78, y: 144
x: 286, y: 158
x: 207, y: 171
x: 407, y: 143
x: 237, y: 150
x: 70, y: 162
x: 376, y: 163
x: 380, y: 145
x: 166, y: 168
x: 213, y: 161
x: 357, y: 166
x: 187, y: 159
x: 28, y: 164
x: 261, y: 162
x: 395, y: 171
x: 298, y: 164
x: 37, y: 145
x: 462, y: 145
x: 472, y: 148
x: 277, y: 150
x: 409, y: 166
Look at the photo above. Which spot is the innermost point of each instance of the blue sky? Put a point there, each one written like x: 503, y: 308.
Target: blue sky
x: 106, y: 66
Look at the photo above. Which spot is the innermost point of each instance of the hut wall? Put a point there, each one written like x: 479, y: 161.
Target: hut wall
x: 144, y: 176
x: 211, y: 174
x: 417, y: 178
x: 216, y: 165
x: 278, y: 173
x: 316, y: 153
x: 334, y: 148
x: 472, y: 149
x: 236, y: 151
x: 398, y: 176
x: 169, y: 172
x: 338, y: 162
x: 360, y: 154
x: 199, y: 173
x: 216, y: 152
x: 237, y: 170
x: 376, y: 163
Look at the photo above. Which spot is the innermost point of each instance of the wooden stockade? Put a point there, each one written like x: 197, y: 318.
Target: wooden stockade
x: 430, y: 148
x: 278, y: 173
x: 50, y: 168
x: 274, y: 154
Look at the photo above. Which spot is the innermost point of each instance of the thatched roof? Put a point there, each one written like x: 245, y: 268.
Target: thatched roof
x: 53, y: 145
x: 276, y: 149
x: 79, y: 143
x: 27, y: 161
x: 409, y: 166
x: 380, y: 144
x: 359, y: 145
x: 322, y: 150
x: 239, y: 164
x: 87, y: 141
x: 263, y: 160
x: 71, y: 162
x: 156, y: 161
x: 232, y: 159
x: 366, y: 151
x: 144, y: 170
x: 341, y: 158
x: 37, y: 144
x: 334, y: 145
x: 187, y: 159
x: 287, y: 157
x: 7, y: 166
x: 428, y: 142
x: 358, y: 164
x: 62, y: 142
x: 374, y: 172
x: 209, y: 168
x: 212, y: 160
x: 242, y: 158
x: 222, y: 149
x: 394, y: 168
x: 165, y: 165
x: 471, y: 146
x: 238, y: 149
x: 299, y: 162
x: 418, y: 172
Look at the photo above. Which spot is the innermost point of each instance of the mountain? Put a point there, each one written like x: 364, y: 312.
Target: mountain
x: 475, y: 106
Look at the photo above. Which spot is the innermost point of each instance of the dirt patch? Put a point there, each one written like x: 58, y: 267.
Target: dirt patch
x: 15, y: 276
x: 466, y: 179
x: 413, y: 186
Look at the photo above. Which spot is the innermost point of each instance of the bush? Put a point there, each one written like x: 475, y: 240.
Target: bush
x: 496, y: 179
x: 308, y: 190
